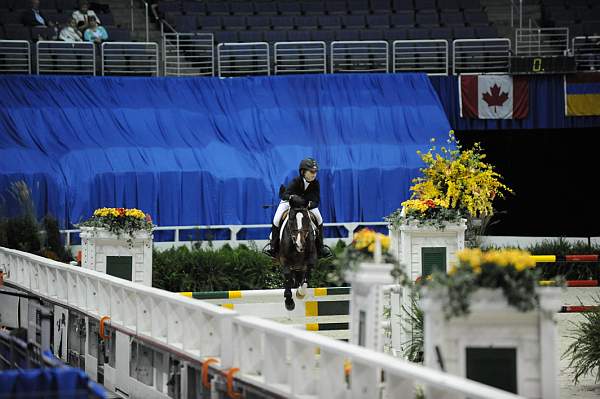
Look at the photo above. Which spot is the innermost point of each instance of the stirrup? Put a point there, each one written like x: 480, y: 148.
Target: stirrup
x: 324, y: 252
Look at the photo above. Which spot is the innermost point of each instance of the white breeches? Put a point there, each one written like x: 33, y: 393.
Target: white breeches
x: 284, y: 206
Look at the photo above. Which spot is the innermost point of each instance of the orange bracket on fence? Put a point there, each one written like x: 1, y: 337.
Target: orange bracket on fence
x: 205, y: 364
x: 103, y: 319
x: 230, y: 392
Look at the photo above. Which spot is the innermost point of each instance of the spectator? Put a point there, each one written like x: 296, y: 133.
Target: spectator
x: 83, y: 16
x: 95, y: 33
x: 70, y: 33
x: 34, y: 17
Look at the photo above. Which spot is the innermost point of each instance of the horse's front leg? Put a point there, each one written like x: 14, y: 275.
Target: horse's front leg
x: 301, y: 278
x: 288, y: 283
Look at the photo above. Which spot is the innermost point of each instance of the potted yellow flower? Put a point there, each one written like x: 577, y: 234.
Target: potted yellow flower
x: 115, y: 222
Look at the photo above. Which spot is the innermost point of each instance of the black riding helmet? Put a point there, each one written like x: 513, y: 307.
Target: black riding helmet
x: 308, y: 164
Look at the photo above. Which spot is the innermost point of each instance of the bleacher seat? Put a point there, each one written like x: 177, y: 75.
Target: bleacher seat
x: 380, y: 6
x: 45, y: 5
x: 448, y: 5
x: 209, y: 23
x: 406, y: 19
x: 476, y: 18
x: 418, y: 34
x: 378, y: 21
x: 163, y: 6
x: 463, y: 32
x: 395, y: 34
x: 258, y: 22
x: 371, y: 34
x: 358, y: 7
x: 289, y: 8
x: 5, y: 5
x: 185, y: 23
x: 106, y: 19
x: 452, y: 18
x: 239, y: 8
x: 336, y: 7
x: 313, y: 8
x: 470, y: 4
x: 353, y: 21
x: 330, y: 22
x: 322, y: 35
x: 427, y: 19
x: 299, y: 36
x: 306, y: 22
x: 273, y: 36
x: 403, y: 5
x: 10, y: 18
x: 282, y: 22
x: 119, y: 35
x: 348, y: 35
x: 45, y: 32
x: 486, y: 32
x: 591, y: 28
x: 234, y: 22
x: 425, y: 5
x: 267, y: 9
x: 17, y: 32
x: 217, y: 8
x: 441, y: 33
x: 193, y: 7
x: 250, y: 36
x: 226, y: 36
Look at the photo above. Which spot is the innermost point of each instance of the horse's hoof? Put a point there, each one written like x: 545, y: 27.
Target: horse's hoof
x: 289, y: 304
x: 299, y: 295
x: 301, y: 291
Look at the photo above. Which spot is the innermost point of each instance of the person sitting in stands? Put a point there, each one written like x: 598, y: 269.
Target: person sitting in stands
x: 95, y: 33
x: 34, y: 17
x: 83, y: 16
x: 70, y: 33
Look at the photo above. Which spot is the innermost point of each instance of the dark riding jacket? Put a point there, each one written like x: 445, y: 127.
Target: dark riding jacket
x: 311, y: 196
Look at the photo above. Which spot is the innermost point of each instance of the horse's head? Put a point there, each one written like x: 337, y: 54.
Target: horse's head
x: 300, y: 228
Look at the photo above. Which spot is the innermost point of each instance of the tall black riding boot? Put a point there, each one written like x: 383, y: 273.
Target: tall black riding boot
x: 322, y: 250
x: 274, y: 246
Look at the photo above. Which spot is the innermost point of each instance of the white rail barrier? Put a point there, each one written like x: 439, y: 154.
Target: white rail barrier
x: 481, y: 55
x: 269, y: 355
x: 300, y: 57
x: 66, y: 57
x: 542, y: 41
x: 586, y: 50
x: 429, y: 56
x: 188, y: 54
x: 15, y: 56
x: 243, y: 59
x: 359, y: 56
x: 130, y: 58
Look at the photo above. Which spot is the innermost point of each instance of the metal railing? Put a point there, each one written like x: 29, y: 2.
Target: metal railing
x: 188, y: 54
x: 300, y: 57
x: 359, y: 56
x: 586, y: 50
x: 541, y: 41
x: 129, y: 58
x: 66, y: 58
x: 518, y: 10
x: 15, y: 56
x: 481, y: 55
x: 243, y: 59
x: 429, y: 56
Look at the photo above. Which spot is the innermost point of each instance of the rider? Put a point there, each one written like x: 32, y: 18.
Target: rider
x: 303, y: 190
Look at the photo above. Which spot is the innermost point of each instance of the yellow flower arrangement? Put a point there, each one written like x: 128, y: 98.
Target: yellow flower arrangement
x: 367, y: 238
x: 455, y: 183
x: 511, y: 270
x: 120, y: 220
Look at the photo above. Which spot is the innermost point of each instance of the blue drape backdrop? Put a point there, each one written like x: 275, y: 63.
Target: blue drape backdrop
x: 213, y: 151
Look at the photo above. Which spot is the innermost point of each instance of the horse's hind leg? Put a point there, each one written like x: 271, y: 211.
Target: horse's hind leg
x: 287, y: 291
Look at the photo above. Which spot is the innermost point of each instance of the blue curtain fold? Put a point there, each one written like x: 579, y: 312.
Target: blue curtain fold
x: 213, y: 151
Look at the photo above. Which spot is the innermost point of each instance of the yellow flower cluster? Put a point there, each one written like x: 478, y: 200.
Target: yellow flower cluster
x: 475, y: 258
x: 366, y: 238
x: 120, y: 212
x: 421, y: 206
x: 457, y: 179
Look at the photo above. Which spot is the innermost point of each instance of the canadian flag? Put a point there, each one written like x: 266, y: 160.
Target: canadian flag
x: 494, y: 96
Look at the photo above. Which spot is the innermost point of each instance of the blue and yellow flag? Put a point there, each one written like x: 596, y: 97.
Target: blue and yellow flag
x: 582, y: 94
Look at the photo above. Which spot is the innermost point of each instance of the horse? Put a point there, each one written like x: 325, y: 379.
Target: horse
x: 297, y: 253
